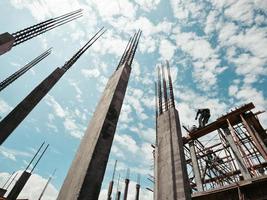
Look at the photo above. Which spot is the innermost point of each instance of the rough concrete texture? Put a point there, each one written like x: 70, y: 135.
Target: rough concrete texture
x: 6, y: 42
x: 171, y: 177
x: 20, y: 112
x: 87, y: 170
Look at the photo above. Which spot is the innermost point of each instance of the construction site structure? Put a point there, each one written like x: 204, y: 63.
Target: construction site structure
x: 137, y: 187
x: 23, y: 70
x: 46, y: 185
x: 127, y: 181
x: 111, y: 184
x: 171, y: 180
x: 87, y: 170
x: 7, y: 40
x: 21, y: 111
x: 232, y: 163
x: 24, y: 177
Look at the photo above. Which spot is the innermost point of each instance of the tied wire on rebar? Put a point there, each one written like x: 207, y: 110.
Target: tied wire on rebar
x: 23, y: 70
x: 76, y: 56
x: 35, y: 30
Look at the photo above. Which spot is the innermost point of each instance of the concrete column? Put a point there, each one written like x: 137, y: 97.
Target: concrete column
x: 21, y: 111
x: 6, y: 42
x: 240, y: 162
x: 195, y: 166
x: 14, y: 193
x: 85, y: 176
x: 172, y: 178
x: 110, y: 188
x: 2, y: 192
x: 118, y: 196
x: 137, y: 192
x: 126, y: 189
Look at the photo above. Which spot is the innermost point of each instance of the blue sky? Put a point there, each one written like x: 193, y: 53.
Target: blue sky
x: 217, y: 52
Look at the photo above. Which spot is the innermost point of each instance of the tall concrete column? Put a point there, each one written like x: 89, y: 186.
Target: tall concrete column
x: 87, y: 170
x: 195, y: 166
x: 240, y: 162
x: 14, y: 193
x: 171, y: 176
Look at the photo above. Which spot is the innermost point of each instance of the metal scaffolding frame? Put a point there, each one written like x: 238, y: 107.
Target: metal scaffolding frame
x: 227, y: 151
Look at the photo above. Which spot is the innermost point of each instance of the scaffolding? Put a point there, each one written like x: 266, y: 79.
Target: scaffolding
x: 227, y: 153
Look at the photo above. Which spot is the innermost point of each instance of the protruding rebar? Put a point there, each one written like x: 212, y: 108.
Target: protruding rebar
x: 11, y: 181
x: 164, y: 89
x: 172, y: 104
x: 35, y: 156
x: 76, y: 56
x: 23, y: 70
x: 48, y: 181
x: 40, y: 157
x: 137, y: 187
x: 118, y: 193
x: 35, y: 30
x: 134, y: 48
x: 122, y: 60
x: 114, y: 170
x: 16, y: 116
x: 159, y: 92
x: 8, y: 180
x: 128, y: 52
x: 111, y: 182
x: 156, y: 100
x: 127, y: 181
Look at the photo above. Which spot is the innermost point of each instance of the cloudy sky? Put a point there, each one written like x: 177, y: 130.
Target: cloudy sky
x: 218, y: 57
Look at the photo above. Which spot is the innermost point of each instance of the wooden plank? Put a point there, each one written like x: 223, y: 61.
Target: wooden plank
x: 221, y: 122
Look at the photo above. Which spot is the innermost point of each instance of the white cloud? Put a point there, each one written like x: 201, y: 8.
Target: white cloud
x: 4, y: 107
x: 44, y: 9
x: 109, y: 9
x: 69, y: 118
x: 126, y: 142
x: 59, y: 111
x: 166, y: 49
x: 89, y: 73
x: 148, y: 5
x: 205, y: 58
x: 13, y: 153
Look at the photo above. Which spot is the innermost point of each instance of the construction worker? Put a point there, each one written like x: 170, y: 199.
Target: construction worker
x: 204, y: 116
